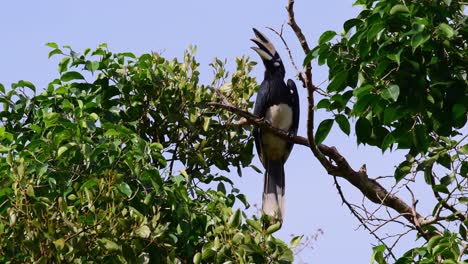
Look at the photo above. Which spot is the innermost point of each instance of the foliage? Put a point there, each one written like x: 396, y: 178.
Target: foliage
x: 399, y: 70
x: 116, y: 161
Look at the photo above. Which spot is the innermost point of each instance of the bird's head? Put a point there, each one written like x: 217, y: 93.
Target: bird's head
x: 268, y: 54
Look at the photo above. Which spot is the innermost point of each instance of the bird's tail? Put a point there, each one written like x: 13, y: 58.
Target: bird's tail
x: 273, y: 190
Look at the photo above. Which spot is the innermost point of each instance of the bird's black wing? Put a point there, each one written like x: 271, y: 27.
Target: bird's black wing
x: 260, y: 107
x: 295, y: 105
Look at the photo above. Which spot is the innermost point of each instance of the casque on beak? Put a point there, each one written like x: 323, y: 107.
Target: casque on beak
x: 265, y: 48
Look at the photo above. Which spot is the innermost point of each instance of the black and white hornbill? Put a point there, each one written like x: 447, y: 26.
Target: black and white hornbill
x: 278, y: 103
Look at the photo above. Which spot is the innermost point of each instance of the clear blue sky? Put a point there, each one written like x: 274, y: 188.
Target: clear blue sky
x: 219, y: 29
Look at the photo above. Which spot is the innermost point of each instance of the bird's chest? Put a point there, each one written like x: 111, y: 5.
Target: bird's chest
x: 279, y: 116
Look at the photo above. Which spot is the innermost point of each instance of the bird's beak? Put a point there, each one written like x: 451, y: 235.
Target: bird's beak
x: 265, y: 48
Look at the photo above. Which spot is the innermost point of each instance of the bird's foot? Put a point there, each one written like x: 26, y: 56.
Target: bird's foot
x: 291, y: 136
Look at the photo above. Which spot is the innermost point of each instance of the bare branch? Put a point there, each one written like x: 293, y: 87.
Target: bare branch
x: 343, y: 199
x: 306, y: 78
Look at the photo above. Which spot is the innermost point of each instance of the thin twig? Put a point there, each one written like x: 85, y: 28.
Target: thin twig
x: 343, y: 199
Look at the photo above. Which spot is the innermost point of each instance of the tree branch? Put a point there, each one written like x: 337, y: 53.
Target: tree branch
x: 340, y: 167
x: 306, y: 78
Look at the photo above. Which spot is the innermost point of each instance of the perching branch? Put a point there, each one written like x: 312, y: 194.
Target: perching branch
x: 340, y: 167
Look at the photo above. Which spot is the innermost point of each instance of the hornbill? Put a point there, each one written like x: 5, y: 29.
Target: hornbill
x: 278, y: 104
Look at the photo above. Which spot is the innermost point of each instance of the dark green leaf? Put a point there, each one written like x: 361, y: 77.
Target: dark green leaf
x: 63, y: 65
x: 419, y: 39
x: 54, y: 52
x: 420, y: 138
x: 363, y: 130
x: 326, y: 36
x: 458, y: 110
x: 362, y: 104
x: 351, y: 23
x: 311, y: 55
x: 343, y: 123
x: 402, y: 170
x: 71, y: 75
x: 362, y: 90
x: 324, y: 103
x: 338, y: 82
x: 323, y: 130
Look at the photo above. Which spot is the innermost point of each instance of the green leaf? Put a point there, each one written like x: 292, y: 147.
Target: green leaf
x: 464, y: 169
x: 236, y: 219
x: 125, y: 189
x: 2, y: 88
x: 63, y: 64
x: 398, y: 9
x: 24, y: 83
x: 59, y: 243
x: 52, y: 45
x: 362, y: 90
x: 324, y: 103
x: 388, y: 141
x: 311, y: 55
x: 363, y: 130
x: 338, y: 82
x: 362, y: 104
x: 420, y: 138
x: 108, y: 244
x: 206, y: 123
x: 445, y: 30
x: 377, y: 255
x: 207, y: 252
x: 54, y: 52
x: 197, y: 258
x: 62, y: 150
x: 273, y: 228
x: 143, y: 231
x: 30, y: 191
x: 343, y: 123
x: 254, y: 224
x: 323, y: 130
x: 326, y: 36
x: 92, y: 66
x: 395, y: 56
x: 351, y: 23
x: 392, y: 92
x: 458, y: 110
x: 419, y: 39
x: 71, y: 75
x: 295, y: 241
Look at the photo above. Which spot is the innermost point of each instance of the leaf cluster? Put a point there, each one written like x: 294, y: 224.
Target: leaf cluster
x: 116, y: 161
